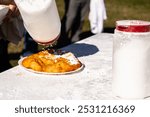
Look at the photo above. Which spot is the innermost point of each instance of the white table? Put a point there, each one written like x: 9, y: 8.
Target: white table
x: 94, y: 82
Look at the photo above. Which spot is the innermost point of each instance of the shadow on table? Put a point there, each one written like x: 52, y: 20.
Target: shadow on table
x: 81, y: 49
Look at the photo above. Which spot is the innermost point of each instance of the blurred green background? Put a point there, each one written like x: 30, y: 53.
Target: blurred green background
x: 116, y: 10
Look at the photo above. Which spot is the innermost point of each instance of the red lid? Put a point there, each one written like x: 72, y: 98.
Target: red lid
x: 133, y: 26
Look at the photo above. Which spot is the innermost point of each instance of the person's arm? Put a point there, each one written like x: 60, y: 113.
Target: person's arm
x: 13, y: 10
x: 6, y: 2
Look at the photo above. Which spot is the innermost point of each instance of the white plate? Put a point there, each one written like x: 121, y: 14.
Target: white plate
x: 3, y: 11
x: 46, y: 73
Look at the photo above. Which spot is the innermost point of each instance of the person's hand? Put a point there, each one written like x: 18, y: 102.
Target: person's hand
x: 13, y: 12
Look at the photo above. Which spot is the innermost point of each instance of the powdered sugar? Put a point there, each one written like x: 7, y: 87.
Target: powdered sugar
x: 68, y: 56
x: 71, y: 58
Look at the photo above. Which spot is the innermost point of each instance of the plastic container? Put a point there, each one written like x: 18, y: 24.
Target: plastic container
x: 131, y: 59
x: 41, y: 19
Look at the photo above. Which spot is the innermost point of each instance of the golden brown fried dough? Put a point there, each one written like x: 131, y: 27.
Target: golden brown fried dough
x: 47, y: 62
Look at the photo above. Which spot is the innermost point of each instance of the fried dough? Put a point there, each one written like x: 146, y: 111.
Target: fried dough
x: 46, y: 62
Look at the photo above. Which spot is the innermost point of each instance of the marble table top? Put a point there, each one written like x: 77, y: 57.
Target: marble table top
x: 94, y: 82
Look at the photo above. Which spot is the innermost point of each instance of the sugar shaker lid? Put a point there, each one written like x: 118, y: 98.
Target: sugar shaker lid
x: 133, y: 26
x: 50, y: 43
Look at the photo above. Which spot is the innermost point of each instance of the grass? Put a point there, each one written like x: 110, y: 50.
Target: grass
x: 116, y: 10
x: 126, y: 9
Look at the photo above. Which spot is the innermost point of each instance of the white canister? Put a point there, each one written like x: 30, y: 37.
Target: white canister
x: 131, y: 59
x: 41, y: 19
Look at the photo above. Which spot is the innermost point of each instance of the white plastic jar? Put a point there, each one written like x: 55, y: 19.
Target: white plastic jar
x: 41, y: 19
x: 131, y: 59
